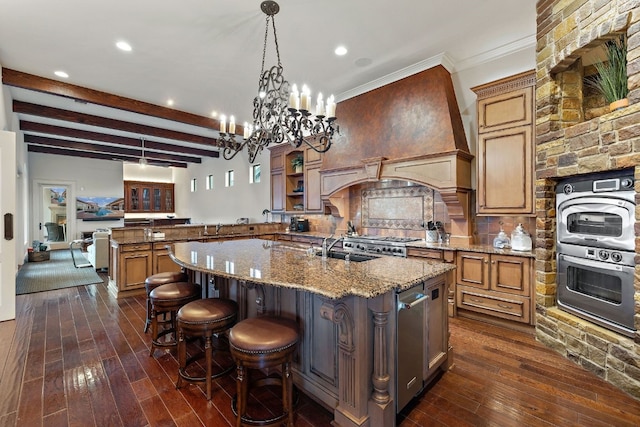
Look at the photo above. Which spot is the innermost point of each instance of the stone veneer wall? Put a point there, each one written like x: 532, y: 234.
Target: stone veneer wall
x: 565, y: 146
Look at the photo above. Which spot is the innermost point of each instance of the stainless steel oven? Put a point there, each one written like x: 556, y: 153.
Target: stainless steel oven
x: 597, y: 211
x: 597, y: 284
x: 596, y: 248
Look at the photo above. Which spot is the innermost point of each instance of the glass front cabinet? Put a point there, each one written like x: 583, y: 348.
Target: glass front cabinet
x: 141, y: 196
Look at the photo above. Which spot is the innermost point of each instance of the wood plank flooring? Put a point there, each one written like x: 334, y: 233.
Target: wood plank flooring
x: 78, y: 357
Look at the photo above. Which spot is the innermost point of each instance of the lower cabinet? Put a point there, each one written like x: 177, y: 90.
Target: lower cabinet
x: 162, y: 262
x: 495, y: 285
x: 133, y: 266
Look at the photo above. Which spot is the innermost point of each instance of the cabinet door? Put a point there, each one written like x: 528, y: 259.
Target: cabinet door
x: 508, y: 110
x: 277, y: 191
x: 510, y: 274
x: 505, y: 179
x: 313, y: 202
x: 134, y: 268
x: 473, y: 269
x: 162, y: 262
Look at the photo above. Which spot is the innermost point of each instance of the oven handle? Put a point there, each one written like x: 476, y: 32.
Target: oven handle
x: 591, y: 263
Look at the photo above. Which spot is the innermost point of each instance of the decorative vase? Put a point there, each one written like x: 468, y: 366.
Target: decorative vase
x: 616, y: 105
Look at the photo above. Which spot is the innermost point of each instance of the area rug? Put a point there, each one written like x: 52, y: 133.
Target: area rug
x: 57, y: 273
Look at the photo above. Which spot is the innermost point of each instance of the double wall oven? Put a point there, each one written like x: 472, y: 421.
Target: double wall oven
x: 596, y: 248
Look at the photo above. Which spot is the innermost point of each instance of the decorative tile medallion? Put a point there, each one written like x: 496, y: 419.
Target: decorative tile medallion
x: 406, y: 208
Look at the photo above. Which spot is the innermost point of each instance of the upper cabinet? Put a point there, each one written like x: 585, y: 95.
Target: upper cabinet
x: 295, y: 180
x: 154, y: 197
x: 505, y: 146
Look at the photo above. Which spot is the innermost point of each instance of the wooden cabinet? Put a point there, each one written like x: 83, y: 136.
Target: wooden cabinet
x: 495, y: 285
x: 156, y: 197
x: 295, y: 190
x: 162, y: 262
x: 131, y: 265
x: 505, y: 146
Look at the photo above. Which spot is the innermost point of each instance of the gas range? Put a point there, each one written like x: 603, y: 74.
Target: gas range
x: 384, y: 245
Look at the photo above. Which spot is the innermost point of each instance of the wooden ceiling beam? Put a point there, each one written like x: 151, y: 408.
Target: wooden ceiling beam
x: 27, y: 126
x: 85, y: 146
x: 41, y: 84
x: 90, y: 155
x: 91, y: 120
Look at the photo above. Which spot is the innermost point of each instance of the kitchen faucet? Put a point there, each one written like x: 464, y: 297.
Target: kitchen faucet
x: 218, y: 227
x: 325, y: 249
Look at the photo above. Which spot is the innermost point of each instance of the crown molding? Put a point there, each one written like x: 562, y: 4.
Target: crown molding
x: 444, y: 60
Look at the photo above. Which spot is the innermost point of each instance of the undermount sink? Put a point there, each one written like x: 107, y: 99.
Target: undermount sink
x: 352, y: 257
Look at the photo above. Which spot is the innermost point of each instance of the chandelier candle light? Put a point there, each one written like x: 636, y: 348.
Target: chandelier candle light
x: 280, y: 112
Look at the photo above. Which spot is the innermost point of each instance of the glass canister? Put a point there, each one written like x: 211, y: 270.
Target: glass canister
x: 520, y: 240
x: 502, y: 240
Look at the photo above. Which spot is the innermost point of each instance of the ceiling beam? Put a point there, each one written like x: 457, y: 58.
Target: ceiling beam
x: 91, y: 120
x: 89, y: 155
x: 41, y: 84
x: 27, y: 126
x: 85, y: 146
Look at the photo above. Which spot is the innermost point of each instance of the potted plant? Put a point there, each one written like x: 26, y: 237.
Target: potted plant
x: 611, y: 80
x: 297, y: 163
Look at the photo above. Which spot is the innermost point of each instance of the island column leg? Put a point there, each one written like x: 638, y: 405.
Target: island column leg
x: 381, y: 406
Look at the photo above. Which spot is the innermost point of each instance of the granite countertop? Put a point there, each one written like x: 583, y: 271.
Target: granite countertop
x: 487, y: 249
x: 286, y: 264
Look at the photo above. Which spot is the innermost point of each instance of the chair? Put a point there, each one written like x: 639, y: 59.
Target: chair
x: 263, y: 343
x: 98, y: 251
x: 204, y: 318
x: 55, y: 233
x: 160, y: 279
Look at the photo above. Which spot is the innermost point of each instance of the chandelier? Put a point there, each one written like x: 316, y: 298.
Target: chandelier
x: 280, y: 113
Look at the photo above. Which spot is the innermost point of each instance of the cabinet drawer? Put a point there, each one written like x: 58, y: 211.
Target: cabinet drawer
x: 498, y: 304
x: 162, y: 245
x: 425, y: 253
x: 136, y: 247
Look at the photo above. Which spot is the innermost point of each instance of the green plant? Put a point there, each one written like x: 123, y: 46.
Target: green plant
x: 611, y: 80
x: 297, y: 161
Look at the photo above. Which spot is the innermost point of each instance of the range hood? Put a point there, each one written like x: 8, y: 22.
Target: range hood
x: 408, y: 130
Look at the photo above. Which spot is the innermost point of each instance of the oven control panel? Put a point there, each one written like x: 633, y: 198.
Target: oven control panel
x: 599, y: 254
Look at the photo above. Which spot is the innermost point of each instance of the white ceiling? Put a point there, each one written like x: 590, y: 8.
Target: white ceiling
x: 206, y: 55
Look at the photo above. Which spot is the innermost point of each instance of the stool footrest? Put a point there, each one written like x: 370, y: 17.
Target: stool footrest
x: 269, y: 422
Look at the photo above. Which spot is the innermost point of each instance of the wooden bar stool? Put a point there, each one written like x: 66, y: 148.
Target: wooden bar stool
x: 259, y: 343
x: 156, y: 280
x: 167, y: 299
x: 203, y: 319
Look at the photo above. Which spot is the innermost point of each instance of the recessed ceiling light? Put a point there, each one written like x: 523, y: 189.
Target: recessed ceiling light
x: 122, y: 45
x: 61, y: 74
x: 169, y: 102
x: 214, y: 114
x: 341, y: 51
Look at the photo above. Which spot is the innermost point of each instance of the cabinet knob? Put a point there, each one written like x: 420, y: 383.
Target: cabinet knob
x: 486, y: 261
x: 493, y: 262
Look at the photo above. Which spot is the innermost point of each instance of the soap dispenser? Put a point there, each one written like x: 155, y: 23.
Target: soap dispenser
x: 502, y: 240
x: 520, y: 240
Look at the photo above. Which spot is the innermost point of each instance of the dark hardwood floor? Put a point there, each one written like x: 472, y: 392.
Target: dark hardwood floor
x: 78, y: 357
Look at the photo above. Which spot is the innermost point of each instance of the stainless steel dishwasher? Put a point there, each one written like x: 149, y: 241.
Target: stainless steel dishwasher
x: 410, y: 335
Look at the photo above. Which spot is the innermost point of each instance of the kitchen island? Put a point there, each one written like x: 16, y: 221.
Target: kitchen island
x: 347, y: 312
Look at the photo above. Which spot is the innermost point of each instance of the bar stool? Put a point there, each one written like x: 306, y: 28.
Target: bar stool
x: 259, y: 343
x: 156, y: 280
x: 167, y: 299
x: 203, y: 319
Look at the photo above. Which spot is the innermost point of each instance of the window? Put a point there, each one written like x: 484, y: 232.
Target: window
x: 228, y: 179
x: 254, y: 174
x: 209, y: 183
x: 194, y: 186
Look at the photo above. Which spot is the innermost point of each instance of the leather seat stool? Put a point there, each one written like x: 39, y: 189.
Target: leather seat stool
x: 156, y: 280
x: 167, y: 299
x: 203, y: 318
x: 259, y: 343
